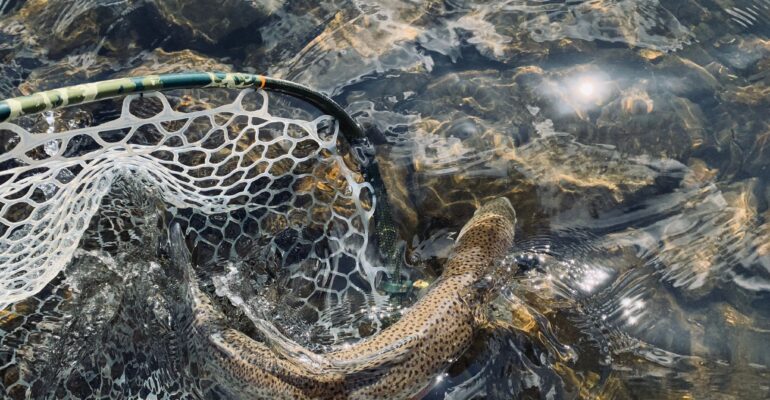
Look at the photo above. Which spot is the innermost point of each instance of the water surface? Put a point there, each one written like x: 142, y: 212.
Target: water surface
x: 632, y: 137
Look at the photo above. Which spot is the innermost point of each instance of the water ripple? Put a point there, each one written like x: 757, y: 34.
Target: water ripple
x: 641, y: 23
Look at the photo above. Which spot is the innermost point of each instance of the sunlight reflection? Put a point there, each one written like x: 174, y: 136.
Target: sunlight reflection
x: 587, y: 88
x: 592, y: 278
x: 633, y: 309
x: 580, y: 90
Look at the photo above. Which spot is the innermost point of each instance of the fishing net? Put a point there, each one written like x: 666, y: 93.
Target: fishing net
x: 265, y: 178
x: 236, y: 169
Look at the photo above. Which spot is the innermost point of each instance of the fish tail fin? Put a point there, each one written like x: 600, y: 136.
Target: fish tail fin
x: 196, y: 308
x: 178, y: 267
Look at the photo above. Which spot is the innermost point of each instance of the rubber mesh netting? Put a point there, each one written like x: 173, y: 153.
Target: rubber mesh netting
x: 238, y: 177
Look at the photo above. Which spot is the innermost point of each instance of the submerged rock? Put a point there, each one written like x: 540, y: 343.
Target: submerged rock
x: 159, y: 61
x: 487, y: 132
x: 636, y: 23
x: 356, y: 43
x: 708, y: 243
x: 212, y: 22
x: 62, y: 28
x: 658, y: 124
x: 741, y: 53
x: 124, y: 29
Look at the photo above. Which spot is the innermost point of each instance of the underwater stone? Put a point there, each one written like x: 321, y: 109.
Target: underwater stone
x: 741, y: 53
x: 656, y: 123
x: 160, y: 61
x: 64, y: 27
x: 213, y: 21
x: 685, y: 78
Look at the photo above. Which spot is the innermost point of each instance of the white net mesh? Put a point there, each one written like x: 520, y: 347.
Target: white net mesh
x: 238, y: 177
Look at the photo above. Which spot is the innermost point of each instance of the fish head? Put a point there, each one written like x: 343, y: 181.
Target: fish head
x: 496, y: 215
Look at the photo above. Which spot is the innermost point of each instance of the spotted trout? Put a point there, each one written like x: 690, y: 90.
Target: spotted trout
x: 397, y: 363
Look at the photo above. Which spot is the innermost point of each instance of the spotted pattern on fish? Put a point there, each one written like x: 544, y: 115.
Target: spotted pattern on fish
x: 396, y: 363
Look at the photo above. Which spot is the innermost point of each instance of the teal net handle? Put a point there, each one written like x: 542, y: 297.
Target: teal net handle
x: 90, y: 92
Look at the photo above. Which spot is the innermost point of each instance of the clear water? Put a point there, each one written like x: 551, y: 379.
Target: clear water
x: 631, y: 136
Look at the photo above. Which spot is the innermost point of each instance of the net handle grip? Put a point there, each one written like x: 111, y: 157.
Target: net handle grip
x: 95, y: 91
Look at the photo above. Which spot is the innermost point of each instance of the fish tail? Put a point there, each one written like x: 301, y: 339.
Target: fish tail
x: 197, y: 310
x: 179, y: 266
